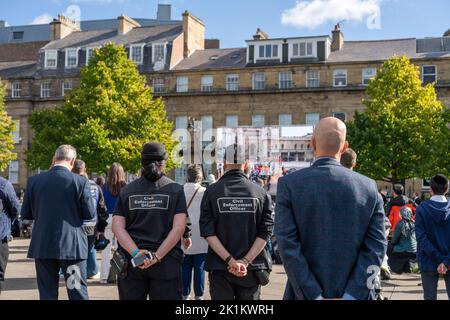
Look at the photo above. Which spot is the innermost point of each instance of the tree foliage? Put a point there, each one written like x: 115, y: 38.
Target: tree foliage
x: 6, y: 137
x: 108, y: 118
x: 403, y: 132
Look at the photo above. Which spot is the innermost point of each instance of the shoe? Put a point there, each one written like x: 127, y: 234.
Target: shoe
x: 103, y: 281
x: 199, y: 298
x: 95, y: 277
x: 186, y: 297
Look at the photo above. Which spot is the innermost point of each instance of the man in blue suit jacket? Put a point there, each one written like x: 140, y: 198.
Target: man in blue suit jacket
x: 58, y: 201
x: 329, y: 224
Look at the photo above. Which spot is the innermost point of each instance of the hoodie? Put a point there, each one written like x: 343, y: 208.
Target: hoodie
x: 433, y: 235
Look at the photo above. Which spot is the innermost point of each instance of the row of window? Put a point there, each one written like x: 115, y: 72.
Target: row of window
x: 300, y: 49
x: 258, y: 120
x: 136, y: 54
x: 16, y: 89
x: 340, y: 79
x: 429, y: 75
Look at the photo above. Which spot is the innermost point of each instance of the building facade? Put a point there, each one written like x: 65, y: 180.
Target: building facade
x: 269, y: 82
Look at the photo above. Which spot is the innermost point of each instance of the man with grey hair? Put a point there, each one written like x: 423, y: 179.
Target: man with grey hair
x: 58, y: 201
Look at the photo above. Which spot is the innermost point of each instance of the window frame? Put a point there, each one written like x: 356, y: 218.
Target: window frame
x: 230, y: 84
x: 428, y: 75
x: 313, y: 79
x: 288, y: 81
x: 364, y: 76
x: 255, y: 81
x: 335, y: 71
x: 46, y: 59
x: 235, y: 116
x: 16, y: 133
x: 161, y: 85
x: 154, y: 45
x: 16, y: 171
x: 207, y: 87
x: 312, y: 113
x: 16, y: 92
x: 285, y: 115
x: 45, y: 90
x: 87, y: 53
x: 340, y: 112
x: 22, y: 33
x: 263, y: 117
x: 266, y: 56
x: 64, y: 90
x: 137, y: 45
x: 66, y: 51
x: 179, y: 85
x: 306, y: 43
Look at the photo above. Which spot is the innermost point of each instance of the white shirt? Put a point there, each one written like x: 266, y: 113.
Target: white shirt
x: 439, y: 199
x: 199, y: 244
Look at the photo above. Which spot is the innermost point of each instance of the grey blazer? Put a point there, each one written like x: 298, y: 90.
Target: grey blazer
x: 330, y: 228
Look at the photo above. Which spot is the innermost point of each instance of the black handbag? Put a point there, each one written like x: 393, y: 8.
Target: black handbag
x: 119, y: 263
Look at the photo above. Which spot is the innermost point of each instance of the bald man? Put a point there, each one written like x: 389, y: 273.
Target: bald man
x: 330, y: 224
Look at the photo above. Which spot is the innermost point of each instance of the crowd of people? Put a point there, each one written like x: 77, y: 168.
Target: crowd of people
x: 334, y: 231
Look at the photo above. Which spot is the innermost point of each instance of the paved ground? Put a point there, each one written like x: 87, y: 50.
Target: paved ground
x: 21, y: 284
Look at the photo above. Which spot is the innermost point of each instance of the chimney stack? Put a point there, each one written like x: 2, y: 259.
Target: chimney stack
x: 2, y: 23
x: 447, y: 33
x: 62, y: 27
x: 126, y: 24
x: 260, y: 35
x: 194, y: 34
x: 338, y: 38
x: 164, y: 12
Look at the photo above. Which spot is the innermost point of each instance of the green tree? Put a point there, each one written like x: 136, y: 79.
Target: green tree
x: 6, y: 129
x: 403, y: 132
x: 108, y: 118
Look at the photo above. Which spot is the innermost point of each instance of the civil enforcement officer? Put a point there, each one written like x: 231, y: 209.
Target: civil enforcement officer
x: 9, y: 210
x: 150, y: 216
x: 236, y: 220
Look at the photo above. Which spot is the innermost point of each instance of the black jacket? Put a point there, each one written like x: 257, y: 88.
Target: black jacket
x: 58, y: 201
x: 399, y: 201
x: 237, y: 211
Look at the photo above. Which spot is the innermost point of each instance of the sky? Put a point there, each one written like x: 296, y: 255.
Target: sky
x: 234, y: 21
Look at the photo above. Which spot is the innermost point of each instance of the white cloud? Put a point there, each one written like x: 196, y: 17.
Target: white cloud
x: 313, y: 13
x: 44, y: 18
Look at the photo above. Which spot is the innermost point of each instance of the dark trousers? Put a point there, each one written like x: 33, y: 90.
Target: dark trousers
x: 194, y: 262
x: 4, y: 254
x: 225, y: 286
x: 74, y: 271
x: 161, y: 281
x: 402, y: 262
x: 91, y: 263
x: 430, y: 281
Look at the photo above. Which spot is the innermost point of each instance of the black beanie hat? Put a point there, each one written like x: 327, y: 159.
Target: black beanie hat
x: 154, y: 151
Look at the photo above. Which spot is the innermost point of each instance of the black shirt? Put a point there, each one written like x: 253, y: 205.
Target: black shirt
x: 149, y: 209
x: 237, y: 211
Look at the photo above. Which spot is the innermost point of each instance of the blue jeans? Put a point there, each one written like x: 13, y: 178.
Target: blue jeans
x: 196, y: 262
x: 430, y: 282
x: 92, y: 267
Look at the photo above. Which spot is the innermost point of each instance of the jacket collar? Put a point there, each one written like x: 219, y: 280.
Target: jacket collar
x: 326, y: 161
x: 234, y: 173
x: 60, y: 168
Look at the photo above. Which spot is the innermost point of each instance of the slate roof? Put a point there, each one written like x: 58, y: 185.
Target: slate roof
x: 99, y: 37
x: 354, y: 51
x: 17, y: 69
x: 214, y: 59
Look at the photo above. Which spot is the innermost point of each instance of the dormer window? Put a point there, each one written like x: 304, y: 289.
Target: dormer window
x: 89, y: 54
x: 51, y: 59
x: 268, y: 51
x: 303, y: 49
x: 71, y: 58
x: 159, y: 52
x: 137, y: 53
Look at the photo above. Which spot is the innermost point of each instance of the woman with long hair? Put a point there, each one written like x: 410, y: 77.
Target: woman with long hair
x: 116, y: 180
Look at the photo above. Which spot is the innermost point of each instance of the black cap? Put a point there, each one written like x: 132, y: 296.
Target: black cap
x: 154, y: 151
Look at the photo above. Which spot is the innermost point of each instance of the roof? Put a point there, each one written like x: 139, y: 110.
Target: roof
x: 214, y: 59
x: 20, y: 51
x: 17, y: 69
x: 97, y: 38
x: 354, y: 51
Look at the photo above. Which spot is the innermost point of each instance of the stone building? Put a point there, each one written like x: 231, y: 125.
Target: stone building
x: 268, y: 82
